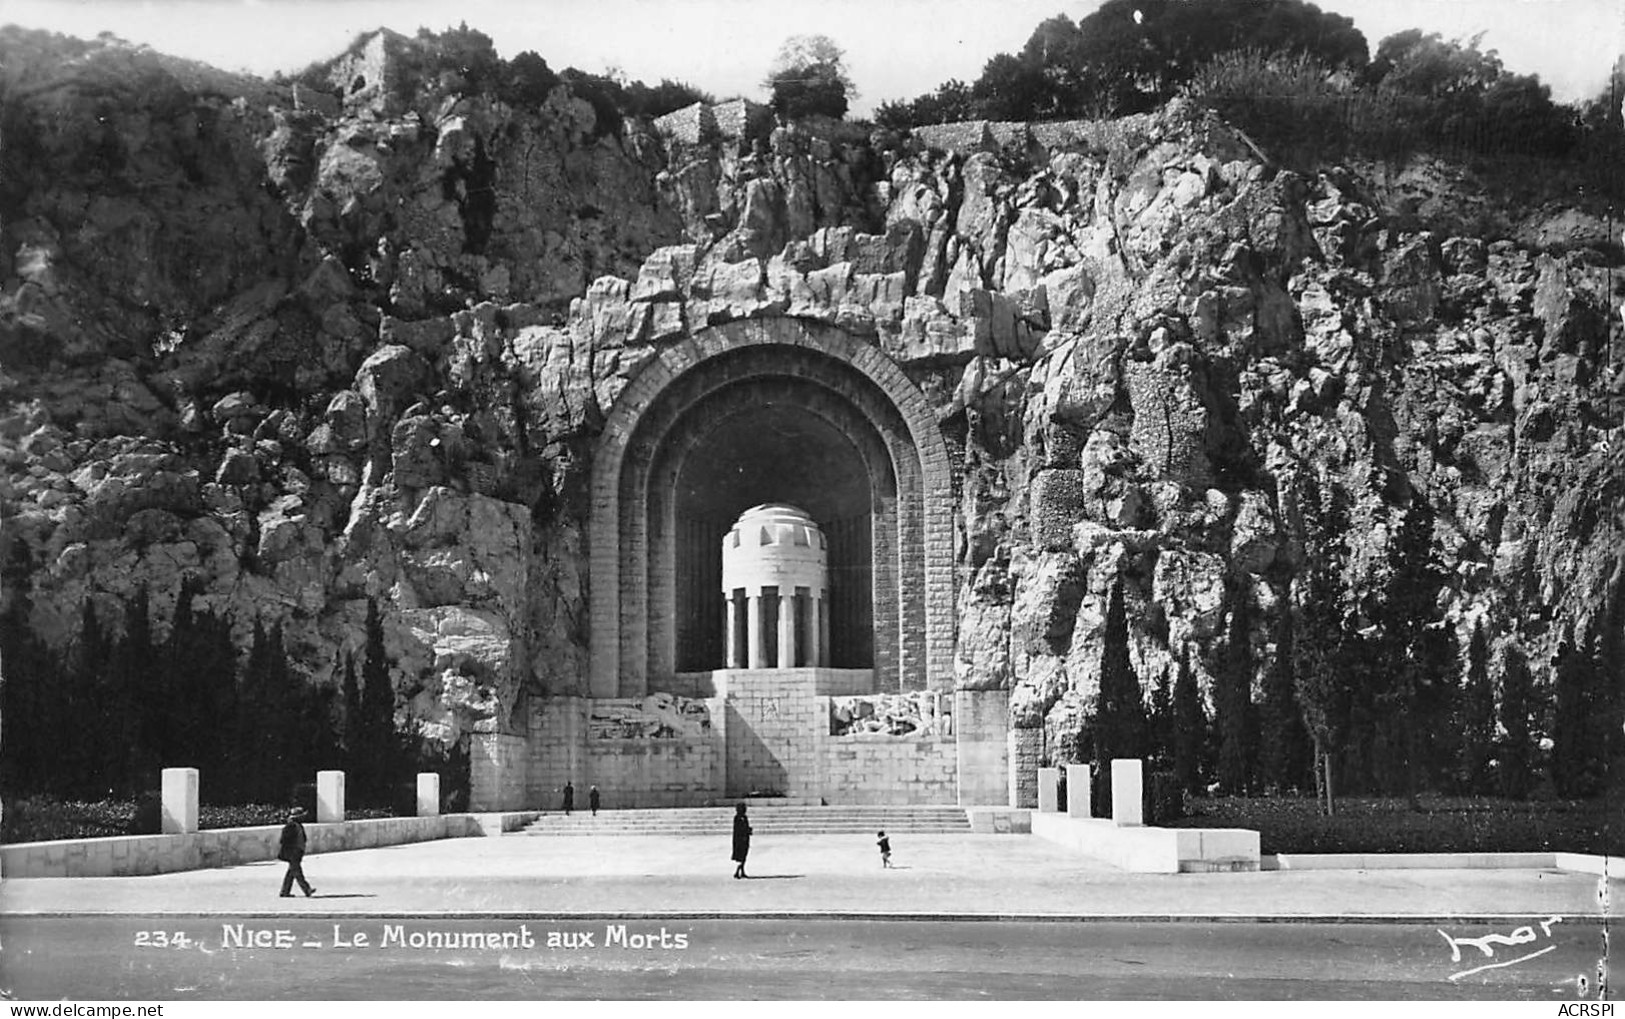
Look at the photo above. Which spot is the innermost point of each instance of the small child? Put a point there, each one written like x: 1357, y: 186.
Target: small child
x: 885, y: 849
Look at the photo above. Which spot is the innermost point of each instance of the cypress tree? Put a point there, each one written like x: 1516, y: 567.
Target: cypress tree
x: 1517, y: 752
x: 1579, y: 742
x: 1320, y: 648
x: 1162, y: 723
x: 377, y: 712
x: 352, y: 738
x: 1232, y: 700
x: 1284, y: 743
x: 81, y: 752
x: 1120, y: 723
x: 143, y: 681
x: 1190, y: 727
x: 1477, y: 716
x: 29, y: 695
x: 202, y: 664
x: 268, y: 729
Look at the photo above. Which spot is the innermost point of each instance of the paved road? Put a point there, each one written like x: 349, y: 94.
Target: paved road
x: 134, y: 957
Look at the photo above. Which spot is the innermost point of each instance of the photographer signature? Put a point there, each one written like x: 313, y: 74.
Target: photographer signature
x: 1487, y: 943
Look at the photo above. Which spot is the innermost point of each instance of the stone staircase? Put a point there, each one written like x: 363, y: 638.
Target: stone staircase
x: 764, y: 820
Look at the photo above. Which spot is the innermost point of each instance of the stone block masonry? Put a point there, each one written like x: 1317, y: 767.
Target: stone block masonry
x: 982, y: 747
x: 682, y: 767
x: 497, y: 771
x: 1026, y: 754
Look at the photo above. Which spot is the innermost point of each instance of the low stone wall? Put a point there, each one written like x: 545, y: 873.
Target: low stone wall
x: 131, y: 855
x: 1610, y: 866
x: 1152, y: 850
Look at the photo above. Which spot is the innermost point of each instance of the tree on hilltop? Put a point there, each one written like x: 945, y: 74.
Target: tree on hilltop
x: 808, y: 77
x: 1129, y: 56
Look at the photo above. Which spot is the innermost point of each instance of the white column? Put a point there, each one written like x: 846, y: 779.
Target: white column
x: 329, y: 796
x: 428, y: 794
x: 180, y: 787
x: 1049, y: 790
x: 1079, y: 791
x: 787, y: 629
x: 730, y: 624
x: 753, y: 627
x: 1127, y: 808
x: 815, y: 650
x: 823, y: 628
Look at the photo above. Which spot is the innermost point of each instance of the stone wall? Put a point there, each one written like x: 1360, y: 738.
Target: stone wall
x: 859, y: 769
x: 654, y: 772
x: 592, y: 742
x: 768, y: 734
x: 497, y: 768
x: 775, y: 721
x: 779, y: 742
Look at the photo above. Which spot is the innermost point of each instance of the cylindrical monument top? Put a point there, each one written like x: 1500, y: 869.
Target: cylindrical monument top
x: 775, y: 545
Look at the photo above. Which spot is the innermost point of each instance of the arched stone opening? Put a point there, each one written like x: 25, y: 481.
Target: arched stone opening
x: 749, y: 443
x: 703, y: 430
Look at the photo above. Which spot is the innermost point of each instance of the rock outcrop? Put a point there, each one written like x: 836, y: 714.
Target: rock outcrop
x: 316, y: 348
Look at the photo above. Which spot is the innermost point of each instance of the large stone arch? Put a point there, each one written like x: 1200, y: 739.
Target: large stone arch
x: 653, y: 410
x: 695, y: 577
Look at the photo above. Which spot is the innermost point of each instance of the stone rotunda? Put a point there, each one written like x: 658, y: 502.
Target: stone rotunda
x: 775, y: 583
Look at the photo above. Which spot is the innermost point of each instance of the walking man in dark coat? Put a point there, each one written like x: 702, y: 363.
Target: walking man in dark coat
x: 292, y: 850
x: 741, y: 841
x: 569, y: 798
x: 592, y: 800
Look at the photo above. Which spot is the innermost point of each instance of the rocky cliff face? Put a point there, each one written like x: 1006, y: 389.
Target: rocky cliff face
x: 319, y: 347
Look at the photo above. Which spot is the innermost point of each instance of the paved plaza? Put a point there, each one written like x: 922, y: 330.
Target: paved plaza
x: 822, y: 875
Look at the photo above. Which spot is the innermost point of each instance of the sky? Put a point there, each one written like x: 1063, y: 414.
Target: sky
x: 896, y: 49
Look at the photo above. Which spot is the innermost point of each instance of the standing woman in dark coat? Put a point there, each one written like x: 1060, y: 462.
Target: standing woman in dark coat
x: 741, y: 840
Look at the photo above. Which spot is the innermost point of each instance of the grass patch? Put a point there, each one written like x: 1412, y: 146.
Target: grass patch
x: 45, y: 818
x: 1437, y: 824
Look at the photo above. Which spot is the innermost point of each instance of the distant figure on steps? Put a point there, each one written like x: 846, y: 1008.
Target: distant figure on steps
x: 569, y: 798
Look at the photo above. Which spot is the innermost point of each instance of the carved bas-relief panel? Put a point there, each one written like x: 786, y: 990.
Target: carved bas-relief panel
x: 892, y: 716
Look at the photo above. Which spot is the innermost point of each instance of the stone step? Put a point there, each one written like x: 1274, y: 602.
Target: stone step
x: 776, y: 820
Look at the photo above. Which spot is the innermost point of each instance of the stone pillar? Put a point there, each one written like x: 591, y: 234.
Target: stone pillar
x: 329, y: 797
x: 1049, y: 790
x: 753, y: 628
x: 1026, y: 749
x: 815, y: 646
x: 1127, y: 806
x: 823, y: 629
x: 1079, y: 791
x: 787, y: 629
x: 428, y: 794
x: 180, y: 787
x: 730, y: 634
